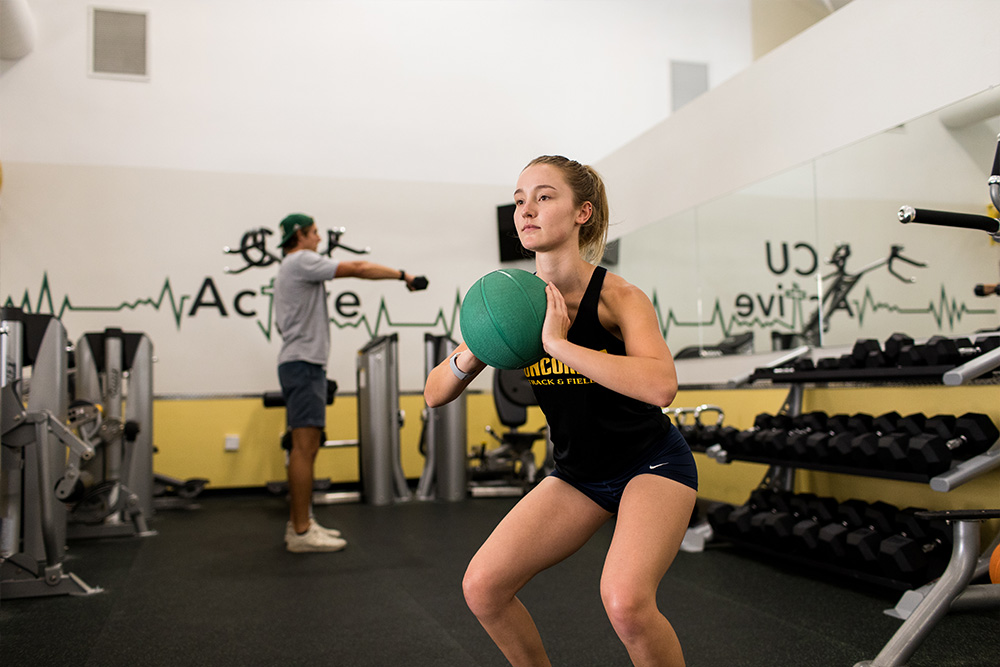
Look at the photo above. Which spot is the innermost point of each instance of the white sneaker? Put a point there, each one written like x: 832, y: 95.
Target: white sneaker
x: 313, y: 540
x: 332, y: 532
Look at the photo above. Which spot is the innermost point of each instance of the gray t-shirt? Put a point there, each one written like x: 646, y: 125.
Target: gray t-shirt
x: 300, y: 307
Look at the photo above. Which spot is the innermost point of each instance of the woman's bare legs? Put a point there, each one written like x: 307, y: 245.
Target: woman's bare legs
x: 546, y: 526
x: 652, y: 519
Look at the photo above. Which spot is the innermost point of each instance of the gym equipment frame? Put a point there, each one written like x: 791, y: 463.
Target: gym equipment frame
x: 445, y: 475
x: 114, y: 370
x: 379, y: 421
x: 33, y: 533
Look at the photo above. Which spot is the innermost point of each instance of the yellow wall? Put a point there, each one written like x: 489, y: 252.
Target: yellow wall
x: 190, y: 435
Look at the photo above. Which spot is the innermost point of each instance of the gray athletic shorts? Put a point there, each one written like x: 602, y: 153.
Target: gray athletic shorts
x: 304, y: 387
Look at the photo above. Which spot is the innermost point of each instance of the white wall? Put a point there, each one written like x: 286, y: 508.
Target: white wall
x: 866, y: 68
x: 113, y: 190
x: 423, y: 90
x: 141, y: 249
x: 405, y: 121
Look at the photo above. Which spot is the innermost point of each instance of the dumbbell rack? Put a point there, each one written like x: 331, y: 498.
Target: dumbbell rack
x: 976, y: 368
x: 922, y: 608
x: 826, y: 566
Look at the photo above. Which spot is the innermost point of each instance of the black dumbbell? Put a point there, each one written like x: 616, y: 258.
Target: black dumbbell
x: 911, y: 355
x: 893, y: 346
x: 772, y: 506
x: 739, y: 521
x: 718, y: 518
x: 944, y: 351
x: 832, y: 542
x: 790, y: 445
x: 867, y: 353
x: 804, y: 364
x: 864, y: 447
x: 771, y: 499
x: 803, y: 448
x: 938, y: 427
x: 743, y: 442
x: 755, y: 441
x: 846, y: 361
x: 933, y: 452
x: 763, y: 504
x: 785, y: 513
x: 918, y: 551
x: 893, y: 448
x: 862, y: 544
x: 833, y: 536
x: 816, y: 513
x: 839, y: 446
x: 828, y: 363
x: 764, y: 439
x: 727, y: 438
x: 776, y: 530
x: 740, y: 518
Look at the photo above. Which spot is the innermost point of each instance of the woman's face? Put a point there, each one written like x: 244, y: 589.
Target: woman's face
x: 545, y: 216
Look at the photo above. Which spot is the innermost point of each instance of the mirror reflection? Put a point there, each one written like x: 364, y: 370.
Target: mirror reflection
x: 816, y: 255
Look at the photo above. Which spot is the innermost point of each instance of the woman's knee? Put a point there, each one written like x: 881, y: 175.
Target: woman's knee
x: 629, y: 608
x: 483, y: 592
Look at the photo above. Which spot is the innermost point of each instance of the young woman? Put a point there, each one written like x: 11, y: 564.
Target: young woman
x: 616, y: 454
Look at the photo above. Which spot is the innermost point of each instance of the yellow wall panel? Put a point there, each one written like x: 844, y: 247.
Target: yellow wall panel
x: 190, y: 437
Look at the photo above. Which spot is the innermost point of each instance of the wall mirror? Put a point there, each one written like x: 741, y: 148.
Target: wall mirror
x: 817, y: 255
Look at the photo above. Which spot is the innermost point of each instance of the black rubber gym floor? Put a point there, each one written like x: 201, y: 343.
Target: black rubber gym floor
x: 216, y: 587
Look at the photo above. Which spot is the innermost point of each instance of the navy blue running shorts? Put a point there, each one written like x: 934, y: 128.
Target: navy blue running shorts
x: 304, y: 387
x: 671, y: 459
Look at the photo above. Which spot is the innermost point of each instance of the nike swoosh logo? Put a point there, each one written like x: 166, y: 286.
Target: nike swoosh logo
x: 658, y: 465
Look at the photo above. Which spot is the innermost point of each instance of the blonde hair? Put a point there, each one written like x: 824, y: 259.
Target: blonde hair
x: 587, y: 186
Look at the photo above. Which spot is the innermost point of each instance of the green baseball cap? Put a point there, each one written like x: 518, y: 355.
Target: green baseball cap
x: 292, y: 223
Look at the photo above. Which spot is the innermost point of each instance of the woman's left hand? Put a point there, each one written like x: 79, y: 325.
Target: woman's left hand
x: 556, y: 325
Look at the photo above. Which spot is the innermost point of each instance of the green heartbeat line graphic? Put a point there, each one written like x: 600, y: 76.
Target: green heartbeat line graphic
x: 47, y: 304
x: 45, y: 297
x: 945, y: 309
x: 447, y: 322
x: 726, y: 324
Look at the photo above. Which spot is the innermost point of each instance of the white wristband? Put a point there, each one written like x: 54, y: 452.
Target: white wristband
x: 459, y: 373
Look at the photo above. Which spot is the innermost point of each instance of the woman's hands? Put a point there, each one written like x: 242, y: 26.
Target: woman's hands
x: 556, y: 325
x: 645, y: 373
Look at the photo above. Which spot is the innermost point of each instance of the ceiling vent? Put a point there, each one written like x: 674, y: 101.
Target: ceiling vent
x: 119, y: 44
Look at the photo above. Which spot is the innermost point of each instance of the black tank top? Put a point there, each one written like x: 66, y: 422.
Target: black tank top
x: 596, y: 433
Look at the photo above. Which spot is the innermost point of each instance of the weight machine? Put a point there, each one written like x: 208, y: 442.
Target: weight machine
x: 379, y: 421
x: 112, y: 495
x: 442, y: 440
x: 509, y: 469
x: 33, y: 460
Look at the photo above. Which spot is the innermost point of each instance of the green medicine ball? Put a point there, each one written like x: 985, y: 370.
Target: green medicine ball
x: 502, y: 316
